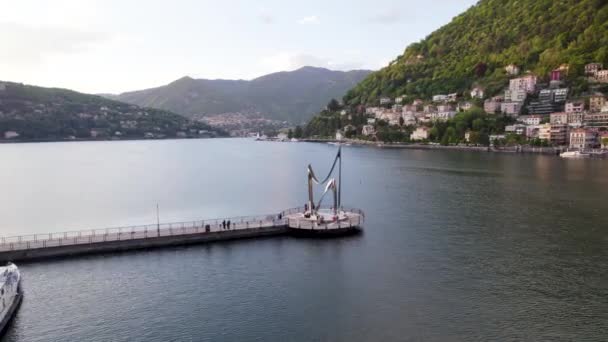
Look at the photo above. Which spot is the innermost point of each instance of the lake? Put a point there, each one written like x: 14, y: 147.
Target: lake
x: 457, y: 246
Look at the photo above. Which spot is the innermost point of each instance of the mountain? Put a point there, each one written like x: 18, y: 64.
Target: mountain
x: 287, y: 96
x: 36, y: 113
x: 474, y: 48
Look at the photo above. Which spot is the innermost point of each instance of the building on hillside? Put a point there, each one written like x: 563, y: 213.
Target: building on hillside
x: 440, y: 98
x: 393, y: 118
x: 371, y: 110
x: 452, y: 97
x: 575, y: 107
x: 591, y: 69
x: 409, y: 109
x: 560, y: 95
x: 532, y: 131
x: 556, y: 75
x: 408, y: 119
x: 464, y: 106
x: 515, y: 95
x: 429, y: 109
x: 477, y: 93
x: 544, y: 105
x: 385, y: 100
x: 559, y: 118
x: 603, y: 137
x: 544, y: 132
x: 530, y: 120
x: 445, y: 108
x: 423, y: 118
x: 527, y: 83
x: 602, y: 76
x: 368, y: 130
x: 559, y: 134
x: 596, y: 102
x: 492, y: 106
x: 418, y: 102
x: 583, y: 139
x: 339, y: 135
x: 371, y: 121
x: 421, y: 133
x: 575, y: 119
x: 549, y: 100
x: 11, y: 135
x: 597, y: 120
x: 518, y: 129
x: 442, y: 116
x: 510, y: 108
x: 397, y: 107
x: 512, y: 69
x: 97, y: 132
x: 399, y: 99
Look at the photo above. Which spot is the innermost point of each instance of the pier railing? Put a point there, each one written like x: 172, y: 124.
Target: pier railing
x: 90, y: 236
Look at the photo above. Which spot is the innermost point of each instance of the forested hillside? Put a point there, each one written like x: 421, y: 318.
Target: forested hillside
x: 36, y: 113
x: 474, y: 48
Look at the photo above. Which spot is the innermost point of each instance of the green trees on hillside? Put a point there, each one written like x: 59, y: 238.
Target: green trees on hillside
x: 538, y: 35
x: 475, y: 121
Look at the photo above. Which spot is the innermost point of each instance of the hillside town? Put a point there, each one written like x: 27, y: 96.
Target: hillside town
x: 544, y: 113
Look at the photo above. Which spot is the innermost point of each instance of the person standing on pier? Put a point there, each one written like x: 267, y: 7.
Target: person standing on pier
x: 224, y: 224
x: 228, y: 224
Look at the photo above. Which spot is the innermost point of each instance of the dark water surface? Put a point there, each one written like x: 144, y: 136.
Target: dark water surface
x: 457, y: 246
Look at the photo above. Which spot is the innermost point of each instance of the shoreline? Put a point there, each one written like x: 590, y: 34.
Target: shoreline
x: 40, y: 141
x: 549, y: 151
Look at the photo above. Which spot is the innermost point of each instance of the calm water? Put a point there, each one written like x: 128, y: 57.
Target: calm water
x: 457, y: 246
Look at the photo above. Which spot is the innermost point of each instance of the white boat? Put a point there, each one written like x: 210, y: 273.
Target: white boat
x: 10, y: 294
x: 574, y: 154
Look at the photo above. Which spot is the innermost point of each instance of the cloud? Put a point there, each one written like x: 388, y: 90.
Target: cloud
x: 310, y: 20
x: 25, y: 45
x: 386, y: 17
x: 266, y: 18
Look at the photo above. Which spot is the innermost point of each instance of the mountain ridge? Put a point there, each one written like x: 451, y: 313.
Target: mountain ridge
x: 292, y: 96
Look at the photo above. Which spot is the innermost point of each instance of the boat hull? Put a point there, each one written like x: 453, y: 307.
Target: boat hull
x: 12, y: 311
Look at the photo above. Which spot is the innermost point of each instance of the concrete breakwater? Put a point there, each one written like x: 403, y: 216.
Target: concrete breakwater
x: 52, y: 245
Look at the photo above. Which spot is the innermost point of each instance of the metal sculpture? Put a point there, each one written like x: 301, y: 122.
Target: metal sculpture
x: 332, y: 184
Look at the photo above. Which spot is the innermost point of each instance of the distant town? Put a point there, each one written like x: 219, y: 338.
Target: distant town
x: 538, y: 114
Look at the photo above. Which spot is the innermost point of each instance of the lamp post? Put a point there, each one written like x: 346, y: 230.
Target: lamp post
x: 157, y: 221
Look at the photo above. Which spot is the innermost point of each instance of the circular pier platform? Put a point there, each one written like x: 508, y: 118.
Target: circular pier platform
x: 324, y: 222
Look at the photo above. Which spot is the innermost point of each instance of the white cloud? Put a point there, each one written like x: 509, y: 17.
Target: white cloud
x: 310, y: 20
x: 266, y: 18
x: 390, y: 16
x: 25, y: 45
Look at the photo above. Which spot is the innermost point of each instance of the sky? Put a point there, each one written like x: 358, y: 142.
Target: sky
x: 112, y: 46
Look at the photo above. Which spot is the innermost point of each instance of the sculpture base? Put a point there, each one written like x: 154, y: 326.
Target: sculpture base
x: 325, y: 222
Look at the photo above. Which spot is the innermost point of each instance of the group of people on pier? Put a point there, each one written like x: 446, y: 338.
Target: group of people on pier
x: 225, y: 224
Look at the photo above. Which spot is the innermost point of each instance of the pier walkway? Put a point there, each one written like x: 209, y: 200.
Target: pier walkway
x: 36, y: 246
